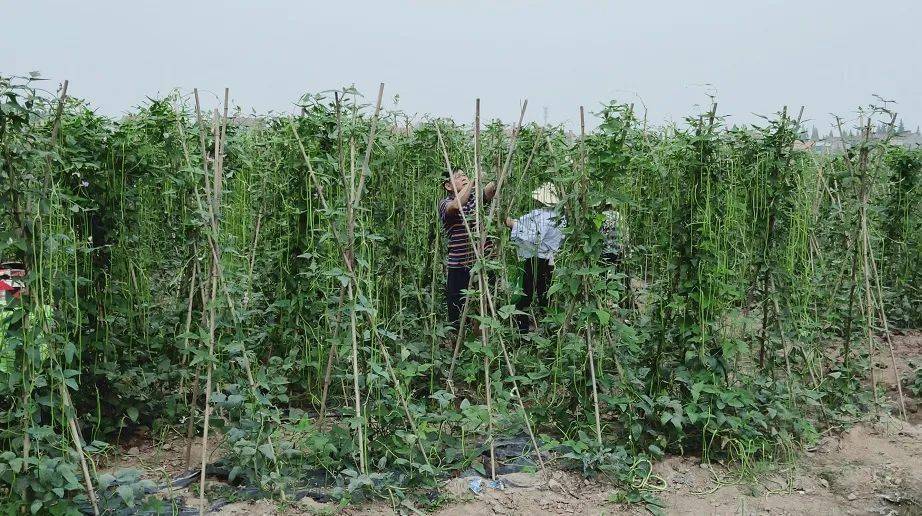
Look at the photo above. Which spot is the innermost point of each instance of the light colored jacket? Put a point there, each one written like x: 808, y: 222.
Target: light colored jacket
x: 537, y: 233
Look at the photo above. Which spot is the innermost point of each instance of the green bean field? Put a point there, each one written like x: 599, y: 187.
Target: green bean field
x: 266, y: 293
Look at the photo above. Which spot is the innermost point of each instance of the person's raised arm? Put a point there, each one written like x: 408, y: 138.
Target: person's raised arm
x: 460, y: 199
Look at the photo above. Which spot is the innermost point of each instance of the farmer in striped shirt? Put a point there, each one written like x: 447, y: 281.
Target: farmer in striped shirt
x: 460, y: 206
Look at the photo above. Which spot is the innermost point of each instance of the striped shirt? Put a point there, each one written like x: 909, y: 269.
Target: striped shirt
x: 460, y: 251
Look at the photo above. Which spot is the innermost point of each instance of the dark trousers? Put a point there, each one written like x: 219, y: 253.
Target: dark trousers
x: 458, y: 279
x: 536, y: 282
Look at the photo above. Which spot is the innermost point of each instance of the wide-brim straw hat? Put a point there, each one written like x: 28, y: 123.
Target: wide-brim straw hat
x: 546, y: 194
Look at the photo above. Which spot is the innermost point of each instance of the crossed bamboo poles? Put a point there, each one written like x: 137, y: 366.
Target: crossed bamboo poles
x: 486, y: 299
x: 487, y: 306
x: 347, y: 247
x: 874, y: 304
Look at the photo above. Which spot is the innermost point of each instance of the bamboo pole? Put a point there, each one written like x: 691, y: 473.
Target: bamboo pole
x: 883, y: 317
x: 252, y: 261
x: 331, y: 357
x: 354, y: 197
x: 461, y: 328
x: 188, y: 327
x: 69, y: 409
x: 27, y: 233
x: 355, y: 378
x: 863, y: 160
x: 539, y: 136
x: 871, y: 268
x: 480, y: 246
x: 212, y: 321
x: 486, y: 374
x: 55, y: 127
x: 854, y: 266
x: 196, y: 386
x: 357, y: 195
x: 478, y: 250
x: 590, y: 348
x: 515, y: 388
x: 484, y: 331
x: 75, y: 437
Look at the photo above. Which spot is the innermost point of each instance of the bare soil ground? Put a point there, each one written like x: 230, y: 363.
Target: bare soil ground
x: 873, y: 468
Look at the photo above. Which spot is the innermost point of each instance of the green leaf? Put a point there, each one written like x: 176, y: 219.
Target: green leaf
x: 603, y: 315
x: 696, y: 390
x: 69, y: 351
x: 132, y: 414
x: 106, y: 480
x: 478, y: 466
x: 266, y: 450
x: 126, y: 493
x: 70, y: 477
x: 36, y: 506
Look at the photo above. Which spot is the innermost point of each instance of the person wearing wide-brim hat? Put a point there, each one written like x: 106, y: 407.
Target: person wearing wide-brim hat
x: 537, y: 236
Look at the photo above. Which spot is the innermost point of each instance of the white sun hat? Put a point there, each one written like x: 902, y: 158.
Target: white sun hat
x: 546, y: 194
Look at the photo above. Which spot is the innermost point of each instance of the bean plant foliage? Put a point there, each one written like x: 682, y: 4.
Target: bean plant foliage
x: 290, y: 271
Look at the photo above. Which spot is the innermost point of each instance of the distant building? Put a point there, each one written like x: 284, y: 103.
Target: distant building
x: 836, y: 144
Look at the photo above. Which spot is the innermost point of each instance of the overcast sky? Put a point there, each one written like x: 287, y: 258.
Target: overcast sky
x: 830, y: 56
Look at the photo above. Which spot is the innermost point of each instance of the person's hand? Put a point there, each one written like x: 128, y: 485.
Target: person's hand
x: 510, y: 222
x: 489, y: 191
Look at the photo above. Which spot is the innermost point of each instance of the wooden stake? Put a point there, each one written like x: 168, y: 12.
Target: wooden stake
x: 58, y: 113
x: 590, y: 349
x: 883, y: 317
x: 486, y: 375
x: 369, y: 143
x: 331, y: 356
x: 212, y: 313
x: 484, y: 331
x: 192, y: 289
x: 75, y: 437
x: 515, y: 387
x: 478, y: 251
x: 595, y: 389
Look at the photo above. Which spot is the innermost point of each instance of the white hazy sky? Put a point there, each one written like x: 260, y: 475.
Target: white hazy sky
x: 830, y: 56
